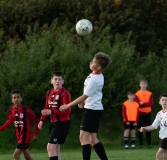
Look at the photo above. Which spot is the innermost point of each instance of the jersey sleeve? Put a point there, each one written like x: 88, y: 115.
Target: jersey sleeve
x: 137, y: 116
x: 156, y: 122
x: 43, y: 117
x: 150, y: 103
x: 65, y: 99
x: 35, y: 120
x: 8, y: 122
x: 91, y: 88
x: 125, y: 119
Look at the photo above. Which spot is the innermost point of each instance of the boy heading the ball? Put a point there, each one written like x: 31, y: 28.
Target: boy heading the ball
x: 91, y: 102
x: 21, y: 115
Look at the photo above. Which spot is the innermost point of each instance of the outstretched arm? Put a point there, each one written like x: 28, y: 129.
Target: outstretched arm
x: 147, y: 129
x: 73, y: 103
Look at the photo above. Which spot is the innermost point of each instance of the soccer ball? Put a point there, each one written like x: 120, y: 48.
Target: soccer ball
x: 84, y: 27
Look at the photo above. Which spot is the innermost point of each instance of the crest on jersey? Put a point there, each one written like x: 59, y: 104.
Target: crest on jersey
x: 57, y: 97
x: 21, y: 115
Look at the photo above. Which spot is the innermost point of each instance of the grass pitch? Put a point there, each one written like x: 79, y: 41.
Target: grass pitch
x: 115, y: 154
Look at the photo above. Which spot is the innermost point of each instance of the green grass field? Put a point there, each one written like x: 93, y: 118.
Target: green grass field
x: 116, y: 154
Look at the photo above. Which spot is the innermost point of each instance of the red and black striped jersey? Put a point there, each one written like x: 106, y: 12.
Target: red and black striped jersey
x: 21, y: 118
x: 54, y: 99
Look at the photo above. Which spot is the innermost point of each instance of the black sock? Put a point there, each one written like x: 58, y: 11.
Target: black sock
x: 100, y: 151
x: 140, y: 136
x: 126, y: 140
x: 148, y: 135
x: 53, y: 158
x: 133, y: 140
x: 86, y: 151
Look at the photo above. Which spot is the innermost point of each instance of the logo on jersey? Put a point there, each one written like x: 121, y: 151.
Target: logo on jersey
x: 57, y: 97
x: 18, y: 123
x: 16, y: 114
x: 21, y: 115
x: 53, y: 103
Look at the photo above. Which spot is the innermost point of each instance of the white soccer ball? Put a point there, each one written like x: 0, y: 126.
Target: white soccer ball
x: 84, y: 27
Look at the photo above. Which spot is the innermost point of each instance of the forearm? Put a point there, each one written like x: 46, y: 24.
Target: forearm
x: 148, y: 128
x: 78, y: 100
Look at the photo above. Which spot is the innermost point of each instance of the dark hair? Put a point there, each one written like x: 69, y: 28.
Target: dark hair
x: 130, y: 92
x: 16, y: 91
x: 163, y: 95
x: 144, y: 80
x: 57, y: 73
x: 103, y: 59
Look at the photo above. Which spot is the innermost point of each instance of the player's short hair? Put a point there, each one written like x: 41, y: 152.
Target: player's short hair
x: 144, y: 80
x: 16, y: 91
x: 130, y: 92
x: 163, y: 95
x: 57, y: 73
x: 102, y: 59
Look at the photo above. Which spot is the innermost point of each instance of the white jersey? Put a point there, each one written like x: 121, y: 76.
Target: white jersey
x: 161, y: 120
x: 93, y: 89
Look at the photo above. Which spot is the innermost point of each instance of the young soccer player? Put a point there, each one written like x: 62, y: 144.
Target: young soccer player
x: 60, y: 121
x: 160, y: 120
x: 145, y: 100
x: 130, y: 114
x: 91, y: 101
x: 21, y: 116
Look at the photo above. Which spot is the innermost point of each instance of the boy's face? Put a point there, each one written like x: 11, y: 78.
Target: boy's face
x: 57, y: 82
x: 94, y: 66
x: 143, y: 85
x: 163, y: 102
x: 131, y: 97
x: 16, y: 99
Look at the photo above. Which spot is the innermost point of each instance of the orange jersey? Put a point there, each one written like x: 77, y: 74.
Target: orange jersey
x: 147, y: 99
x: 130, y: 111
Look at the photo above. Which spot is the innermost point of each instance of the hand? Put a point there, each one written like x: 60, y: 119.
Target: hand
x: 34, y: 138
x: 127, y: 123
x: 40, y: 125
x: 135, y: 124
x: 46, y: 112
x: 81, y: 105
x: 64, y: 108
x: 141, y: 129
x: 141, y: 103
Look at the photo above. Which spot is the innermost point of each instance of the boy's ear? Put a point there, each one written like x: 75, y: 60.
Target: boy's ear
x: 99, y: 68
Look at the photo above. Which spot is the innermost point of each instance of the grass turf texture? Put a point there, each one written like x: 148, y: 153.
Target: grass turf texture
x: 116, y: 154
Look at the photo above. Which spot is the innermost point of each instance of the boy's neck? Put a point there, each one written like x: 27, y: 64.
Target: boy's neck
x: 17, y: 106
x: 56, y: 89
x: 131, y: 101
x: 143, y: 89
x: 96, y: 72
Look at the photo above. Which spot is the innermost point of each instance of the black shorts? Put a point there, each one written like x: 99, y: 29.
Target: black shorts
x: 163, y: 143
x: 22, y: 146
x: 58, y: 132
x: 130, y: 126
x: 91, y: 120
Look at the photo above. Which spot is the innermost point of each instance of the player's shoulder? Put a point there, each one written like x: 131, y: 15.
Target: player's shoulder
x: 148, y: 91
x: 160, y: 113
x: 10, y: 109
x: 137, y: 92
x: 125, y: 102
x: 65, y: 91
